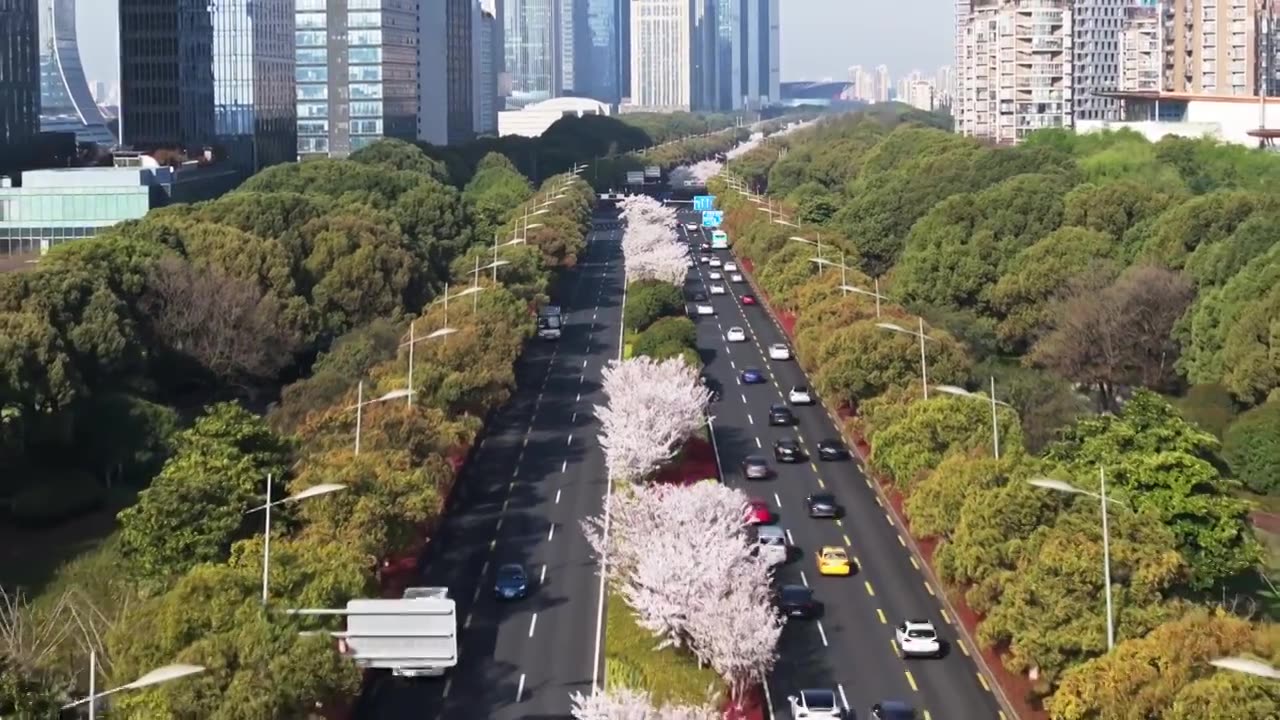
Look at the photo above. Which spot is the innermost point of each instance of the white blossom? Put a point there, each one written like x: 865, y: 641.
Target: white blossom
x: 627, y: 704
x: 654, y: 406
x: 650, y: 247
x: 699, y: 172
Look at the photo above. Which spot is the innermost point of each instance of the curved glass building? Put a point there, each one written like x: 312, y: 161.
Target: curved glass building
x: 66, y: 105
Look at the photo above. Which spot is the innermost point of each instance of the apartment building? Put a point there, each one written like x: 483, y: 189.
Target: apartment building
x: 1141, y: 50
x: 1096, y: 28
x: 1016, y: 69
x: 1212, y: 46
x: 662, y: 54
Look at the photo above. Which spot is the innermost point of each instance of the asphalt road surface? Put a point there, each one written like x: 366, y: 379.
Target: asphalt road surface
x: 850, y: 648
x: 536, y: 474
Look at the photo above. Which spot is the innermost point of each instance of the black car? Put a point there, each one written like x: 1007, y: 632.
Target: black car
x: 831, y: 450
x: 892, y: 710
x: 797, y: 601
x: 781, y: 415
x: 755, y: 467
x: 787, y: 451
x: 512, y: 582
x: 705, y: 248
x: 823, y: 505
x: 698, y: 296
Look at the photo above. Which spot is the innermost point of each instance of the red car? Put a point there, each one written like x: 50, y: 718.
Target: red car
x: 748, y: 299
x: 758, y: 512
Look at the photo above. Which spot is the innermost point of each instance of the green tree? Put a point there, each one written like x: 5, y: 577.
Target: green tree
x: 1203, y: 220
x: 1148, y: 677
x: 933, y: 429
x: 194, y: 509
x: 934, y: 507
x: 28, y: 696
x: 1209, y: 407
x: 1052, y: 614
x: 1251, y: 353
x: 1114, y: 208
x: 1213, y: 264
x: 400, y: 155
x: 650, y: 300
x: 1038, y: 273
x: 665, y: 335
x: 1225, y: 696
x: 858, y: 362
x: 1251, y: 446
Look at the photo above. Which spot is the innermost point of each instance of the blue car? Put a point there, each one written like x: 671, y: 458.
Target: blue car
x: 512, y: 582
x: 751, y: 376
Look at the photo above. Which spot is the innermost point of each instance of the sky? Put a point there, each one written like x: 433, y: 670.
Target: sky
x: 820, y: 38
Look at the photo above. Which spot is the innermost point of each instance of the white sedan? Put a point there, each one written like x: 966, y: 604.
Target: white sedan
x: 715, y: 262
x: 706, y: 310
x: 799, y: 395
x: 715, y: 275
x: 730, y: 266
x: 717, y: 289
x: 705, y: 259
x: 736, y: 277
x: 736, y: 334
x: 779, y: 351
x: 691, y: 227
x: 917, y: 638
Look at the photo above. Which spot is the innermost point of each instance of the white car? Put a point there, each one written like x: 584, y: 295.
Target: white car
x: 917, y: 638
x: 715, y: 262
x: 705, y: 259
x: 800, y: 395
x: 813, y: 704
x: 736, y: 277
x: 731, y: 266
x: 736, y: 334
x: 706, y: 310
x: 717, y: 289
x: 779, y: 351
x: 715, y: 275
x: 691, y: 227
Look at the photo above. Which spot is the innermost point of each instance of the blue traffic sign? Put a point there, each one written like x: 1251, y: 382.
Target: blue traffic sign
x: 703, y: 203
x: 712, y: 218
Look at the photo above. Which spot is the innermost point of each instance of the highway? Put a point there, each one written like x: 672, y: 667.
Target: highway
x: 850, y: 648
x: 535, y: 474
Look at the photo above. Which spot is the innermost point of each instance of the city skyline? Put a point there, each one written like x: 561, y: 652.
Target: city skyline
x: 820, y: 38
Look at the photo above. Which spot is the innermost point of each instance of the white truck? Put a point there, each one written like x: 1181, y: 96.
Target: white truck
x: 549, y: 322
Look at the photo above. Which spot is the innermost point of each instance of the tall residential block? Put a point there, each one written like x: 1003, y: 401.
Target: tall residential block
x: 220, y: 75
x: 19, y: 72
x: 662, y: 54
x: 1016, y: 69
x: 66, y: 102
x: 486, y: 64
x: 1212, y: 46
x: 1142, y: 53
x: 357, y: 71
x: 1096, y: 57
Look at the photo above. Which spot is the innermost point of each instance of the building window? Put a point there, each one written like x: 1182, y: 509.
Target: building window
x: 366, y: 127
x: 311, y: 56
x: 366, y: 109
x: 364, y: 55
x: 366, y: 91
x: 313, y: 110
x: 364, y: 19
x: 311, y: 20
x: 364, y: 73
x: 313, y: 145
x: 309, y: 38
x: 313, y: 127
x: 364, y: 37
x: 313, y: 92
x: 311, y: 74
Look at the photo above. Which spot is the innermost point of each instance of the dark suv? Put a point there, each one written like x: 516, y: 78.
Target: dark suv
x: 788, y: 451
x: 781, y: 415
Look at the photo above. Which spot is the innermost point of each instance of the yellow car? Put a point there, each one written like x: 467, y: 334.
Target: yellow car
x: 834, y: 561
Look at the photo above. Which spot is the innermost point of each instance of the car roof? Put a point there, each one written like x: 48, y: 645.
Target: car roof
x: 511, y: 568
x: 918, y: 623
x: 833, y: 549
x: 755, y: 459
x: 830, y: 441
x: 824, y: 497
x: 770, y: 531
x: 895, y: 705
x: 787, y: 441
x: 779, y: 406
x: 814, y: 698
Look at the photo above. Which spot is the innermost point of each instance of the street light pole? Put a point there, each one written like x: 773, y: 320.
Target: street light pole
x: 155, y: 677
x: 412, y: 342
x: 924, y: 372
x: 1106, y: 560
x: 995, y: 426
x: 266, y: 542
x: 359, y: 413
x: 93, y: 684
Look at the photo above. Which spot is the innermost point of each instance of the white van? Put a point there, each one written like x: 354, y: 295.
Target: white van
x: 771, y: 543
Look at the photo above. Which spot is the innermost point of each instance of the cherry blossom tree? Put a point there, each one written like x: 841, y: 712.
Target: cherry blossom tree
x: 653, y: 407
x: 628, y: 704
x: 650, y: 247
x: 699, y: 172
x: 737, y: 633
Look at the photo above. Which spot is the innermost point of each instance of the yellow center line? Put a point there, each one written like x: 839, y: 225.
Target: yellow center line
x: 929, y: 587
x: 880, y: 612
x: 982, y: 679
x: 914, y: 563
x: 839, y: 522
x: 963, y: 649
x: 912, y: 681
x: 492, y: 544
x: 902, y: 542
x: 927, y: 716
x: 946, y: 616
x: 894, y: 645
x: 821, y: 484
x: 879, y: 501
x: 889, y: 518
x: 846, y: 541
x: 870, y: 592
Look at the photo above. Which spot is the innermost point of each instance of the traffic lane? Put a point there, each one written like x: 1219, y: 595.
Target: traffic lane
x: 859, y: 669
x: 565, y: 470
x: 895, y: 571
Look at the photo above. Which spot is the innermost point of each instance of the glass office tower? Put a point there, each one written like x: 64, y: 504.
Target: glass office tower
x: 66, y: 105
x: 19, y: 72
x: 597, y: 74
x: 254, y: 116
x: 529, y: 31
x: 357, y: 73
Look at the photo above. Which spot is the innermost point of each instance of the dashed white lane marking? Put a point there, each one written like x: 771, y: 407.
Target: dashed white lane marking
x: 570, y: 441
x: 520, y: 689
x: 790, y: 541
x: 777, y: 500
x: 843, y: 699
x: 542, y: 576
x: 575, y: 417
x: 533, y: 623
x: 515, y: 472
x: 584, y: 363
x: 758, y: 443
x: 823, y: 633
x: 744, y: 398
x: 579, y: 399
x: 551, y: 532
x: 563, y: 465
x: 804, y: 579
x: 750, y: 420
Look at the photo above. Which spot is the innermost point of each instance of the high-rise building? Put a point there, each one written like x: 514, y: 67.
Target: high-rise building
x: 1017, y: 66
x: 530, y: 29
x: 196, y: 74
x: 1212, y: 47
x: 762, y: 68
x: 920, y: 94
x: 357, y: 73
x: 1141, y: 50
x: 66, y: 102
x: 703, y: 20
x: 729, y: 57
x: 1095, y: 62
x: 486, y: 63
x: 662, y: 54
x: 884, y: 87
x: 624, y: 47
x: 19, y: 72
x: 597, y: 74
x: 459, y: 76
x: 944, y: 84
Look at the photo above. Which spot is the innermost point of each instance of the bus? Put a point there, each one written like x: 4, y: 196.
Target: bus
x: 549, y: 323
x: 719, y: 240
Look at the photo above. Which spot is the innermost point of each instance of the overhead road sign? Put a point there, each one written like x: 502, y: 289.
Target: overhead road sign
x: 712, y: 218
x: 703, y: 203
